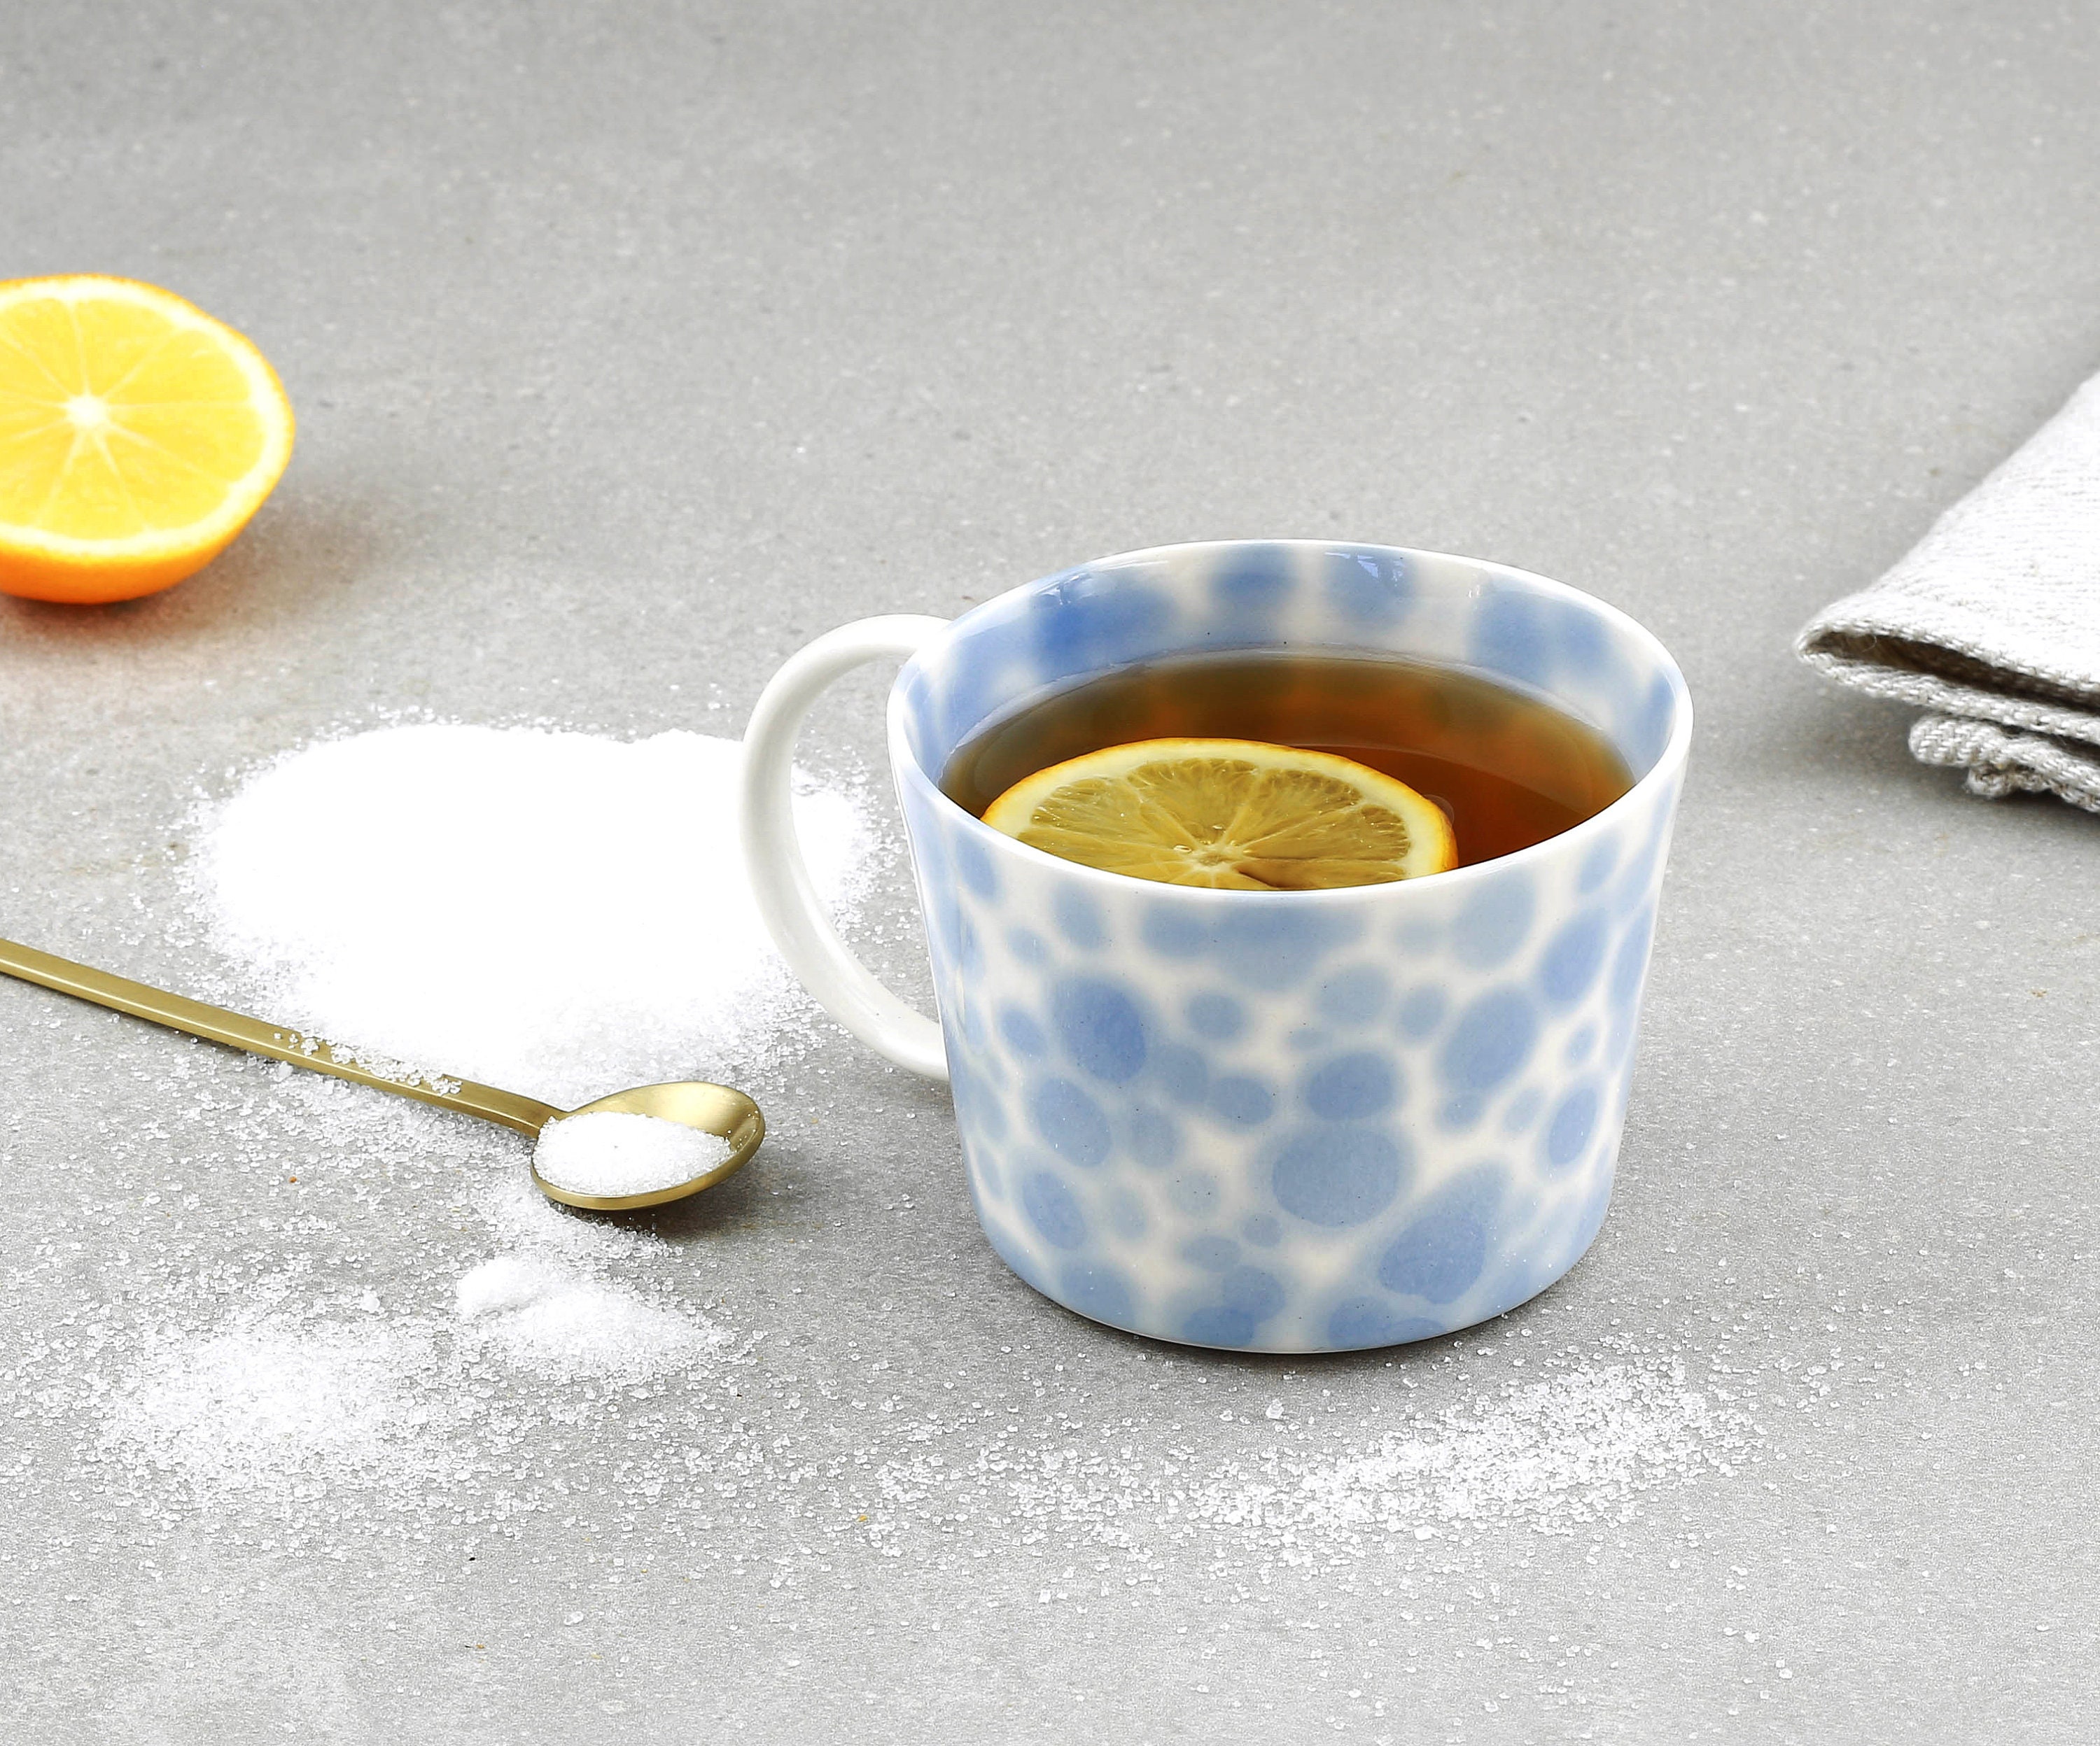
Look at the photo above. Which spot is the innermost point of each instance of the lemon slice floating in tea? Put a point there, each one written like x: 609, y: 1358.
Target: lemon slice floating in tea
x: 137, y: 437
x: 1234, y: 814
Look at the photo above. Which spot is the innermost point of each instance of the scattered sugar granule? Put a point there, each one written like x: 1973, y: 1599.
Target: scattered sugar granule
x: 565, y: 1327
x: 556, y: 913
x: 269, y: 1400
x: 610, y: 1153
x: 1548, y: 1456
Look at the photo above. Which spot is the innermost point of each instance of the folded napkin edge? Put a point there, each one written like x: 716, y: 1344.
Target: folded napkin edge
x: 1996, y: 764
x: 1884, y: 665
x: 1971, y: 634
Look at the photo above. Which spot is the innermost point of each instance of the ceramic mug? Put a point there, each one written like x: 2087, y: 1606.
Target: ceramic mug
x: 1288, y: 1122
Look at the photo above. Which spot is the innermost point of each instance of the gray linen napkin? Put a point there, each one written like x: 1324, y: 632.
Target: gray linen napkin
x: 1991, y: 623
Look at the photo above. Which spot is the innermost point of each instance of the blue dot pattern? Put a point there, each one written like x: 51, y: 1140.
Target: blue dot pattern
x: 1349, y: 1087
x: 1101, y: 1028
x: 1069, y: 1123
x: 1298, y: 1121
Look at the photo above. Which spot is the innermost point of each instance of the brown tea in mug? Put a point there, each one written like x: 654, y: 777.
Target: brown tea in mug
x: 1508, y: 769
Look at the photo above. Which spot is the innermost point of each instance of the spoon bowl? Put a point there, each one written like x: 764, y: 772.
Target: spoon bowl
x: 718, y: 1109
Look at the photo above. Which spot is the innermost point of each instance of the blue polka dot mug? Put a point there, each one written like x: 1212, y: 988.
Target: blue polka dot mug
x: 1285, y: 1122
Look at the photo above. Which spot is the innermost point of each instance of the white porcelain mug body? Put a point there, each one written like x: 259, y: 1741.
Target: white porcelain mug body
x: 1281, y: 1121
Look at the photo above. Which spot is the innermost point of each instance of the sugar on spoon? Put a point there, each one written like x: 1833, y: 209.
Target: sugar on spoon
x: 716, y: 1109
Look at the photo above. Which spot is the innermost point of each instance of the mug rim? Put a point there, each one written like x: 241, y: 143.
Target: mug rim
x: 1667, y: 765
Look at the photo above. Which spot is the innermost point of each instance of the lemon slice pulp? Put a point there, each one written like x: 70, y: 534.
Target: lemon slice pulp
x: 1234, y: 814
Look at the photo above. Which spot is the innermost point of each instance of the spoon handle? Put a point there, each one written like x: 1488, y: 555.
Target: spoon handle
x: 216, y: 1025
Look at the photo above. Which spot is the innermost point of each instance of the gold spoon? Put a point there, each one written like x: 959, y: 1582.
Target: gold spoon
x: 716, y: 1109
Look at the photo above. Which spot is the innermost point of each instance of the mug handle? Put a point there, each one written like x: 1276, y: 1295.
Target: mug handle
x: 786, y: 899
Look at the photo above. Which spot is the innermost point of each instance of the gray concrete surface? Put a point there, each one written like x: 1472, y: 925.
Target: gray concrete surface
x: 631, y: 345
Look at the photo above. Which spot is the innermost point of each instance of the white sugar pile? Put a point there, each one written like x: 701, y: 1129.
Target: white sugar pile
x: 563, y: 1326
x: 557, y: 913
x: 610, y: 1153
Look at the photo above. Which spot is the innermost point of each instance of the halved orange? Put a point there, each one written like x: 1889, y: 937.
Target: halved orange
x: 1235, y: 815
x: 137, y: 437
